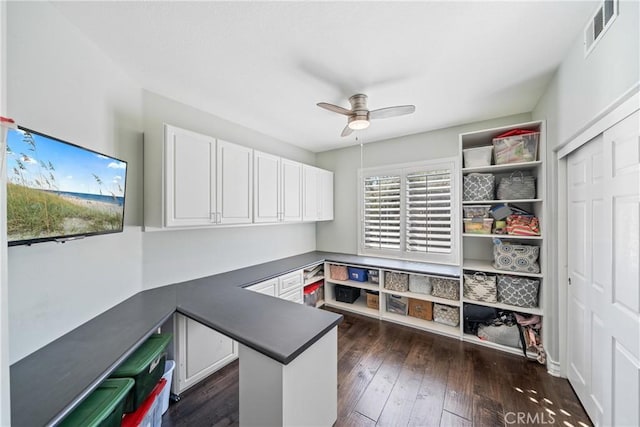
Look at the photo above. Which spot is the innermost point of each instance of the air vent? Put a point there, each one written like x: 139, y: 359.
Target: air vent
x: 599, y: 23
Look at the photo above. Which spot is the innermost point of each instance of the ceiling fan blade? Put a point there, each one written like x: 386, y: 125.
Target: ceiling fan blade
x: 334, y: 108
x: 346, y: 131
x: 384, y: 113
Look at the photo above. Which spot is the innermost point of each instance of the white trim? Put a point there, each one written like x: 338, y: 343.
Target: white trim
x: 452, y: 163
x: 5, y: 405
x: 553, y: 368
x: 618, y: 110
x: 622, y: 107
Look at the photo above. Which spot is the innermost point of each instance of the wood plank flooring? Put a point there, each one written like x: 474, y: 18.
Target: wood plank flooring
x: 391, y: 375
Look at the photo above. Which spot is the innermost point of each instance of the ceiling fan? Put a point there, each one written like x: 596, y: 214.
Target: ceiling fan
x: 359, y: 115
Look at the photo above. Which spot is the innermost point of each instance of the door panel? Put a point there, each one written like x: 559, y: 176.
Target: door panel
x: 266, y: 187
x: 604, y: 272
x: 189, y: 190
x: 234, y: 183
x: 291, y: 191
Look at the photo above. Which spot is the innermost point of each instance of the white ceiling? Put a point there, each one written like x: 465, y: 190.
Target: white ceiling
x: 265, y: 65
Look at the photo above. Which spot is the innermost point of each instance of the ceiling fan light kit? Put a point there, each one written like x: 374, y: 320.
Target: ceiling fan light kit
x: 359, y: 116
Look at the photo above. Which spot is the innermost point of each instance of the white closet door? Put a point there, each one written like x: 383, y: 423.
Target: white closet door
x: 604, y: 257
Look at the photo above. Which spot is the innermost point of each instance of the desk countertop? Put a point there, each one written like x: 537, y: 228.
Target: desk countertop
x: 50, y: 382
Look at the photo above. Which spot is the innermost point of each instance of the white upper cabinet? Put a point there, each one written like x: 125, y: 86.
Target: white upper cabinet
x: 189, y: 190
x: 318, y: 194
x: 207, y: 182
x: 310, y: 191
x: 291, y: 191
x: 234, y: 171
x: 267, y: 187
x: 325, y: 193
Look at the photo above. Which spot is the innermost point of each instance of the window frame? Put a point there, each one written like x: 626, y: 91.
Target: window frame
x: 403, y: 170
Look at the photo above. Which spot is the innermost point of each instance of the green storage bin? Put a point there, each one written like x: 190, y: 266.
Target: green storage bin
x: 103, y: 407
x: 145, y: 366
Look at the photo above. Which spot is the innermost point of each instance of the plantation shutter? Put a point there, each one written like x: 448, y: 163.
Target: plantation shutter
x: 381, y: 222
x: 428, y: 212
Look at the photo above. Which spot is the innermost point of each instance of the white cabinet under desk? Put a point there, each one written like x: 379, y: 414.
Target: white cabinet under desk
x: 199, y: 351
x: 288, y: 286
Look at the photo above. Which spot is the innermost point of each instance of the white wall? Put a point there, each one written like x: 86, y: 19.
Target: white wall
x: 61, y: 84
x: 5, y: 405
x: 174, y: 256
x: 580, y: 90
x: 341, y: 234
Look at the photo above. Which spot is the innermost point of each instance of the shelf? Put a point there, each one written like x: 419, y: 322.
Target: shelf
x: 427, y: 325
x: 504, y: 168
x: 424, y: 297
x: 359, y: 306
x: 319, y: 303
x: 528, y: 310
x: 312, y: 280
x: 517, y: 351
x: 485, y: 265
x: 489, y: 202
x: 502, y: 236
x: 362, y: 285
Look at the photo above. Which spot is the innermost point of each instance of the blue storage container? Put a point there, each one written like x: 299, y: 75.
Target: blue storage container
x: 357, y: 274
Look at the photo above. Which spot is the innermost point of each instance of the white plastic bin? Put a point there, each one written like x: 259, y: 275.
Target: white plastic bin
x: 169, y: 366
x: 477, y: 157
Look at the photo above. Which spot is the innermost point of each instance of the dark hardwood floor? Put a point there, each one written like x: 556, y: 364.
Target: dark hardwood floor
x: 390, y: 375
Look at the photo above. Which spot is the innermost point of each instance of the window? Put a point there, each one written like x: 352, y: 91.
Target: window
x: 409, y: 211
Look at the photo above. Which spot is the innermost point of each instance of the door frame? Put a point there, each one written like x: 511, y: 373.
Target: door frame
x: 617, y: 111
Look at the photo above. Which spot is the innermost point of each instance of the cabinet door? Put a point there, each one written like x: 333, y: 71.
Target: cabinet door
x: 266, y: 187
x: 188, y: 184
x: 291, y: 190
x: 268, y: 287
x: 234, y: 171
x: 290, y: 281
x: 325, y: 190
x: 310, y: 193
x: 200, y: 352
x: 294, y: 295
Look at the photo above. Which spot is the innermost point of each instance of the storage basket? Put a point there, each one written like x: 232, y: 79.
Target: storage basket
x: 478, y: 225
x: 338, y: 272
x: 373, y: 299
x: 516, y: 148
x: 445, y: 288
x: 480, y: 287
x: 397, y: 304
x: 374, y: 276
x: 357, y: 274
x: 518, y: 291
x: 446, y: 314
x: 420, y: 309
x: 476, y: 211
x: 500, y: 334
x: 517, y: 186
x: 477, y: 157
x: 346, y: 294
x: 515, y: 257
x: 419, y: 284
x: 398, y: 282
x: 478, y: 186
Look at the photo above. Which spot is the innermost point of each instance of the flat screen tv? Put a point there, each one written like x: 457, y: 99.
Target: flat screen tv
x: 58, y: 191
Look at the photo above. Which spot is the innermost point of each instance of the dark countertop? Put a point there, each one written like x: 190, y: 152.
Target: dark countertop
x: 49, y: 383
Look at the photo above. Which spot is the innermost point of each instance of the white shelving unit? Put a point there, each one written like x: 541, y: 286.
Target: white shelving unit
x: 477, y: 249
x: 359, y: 306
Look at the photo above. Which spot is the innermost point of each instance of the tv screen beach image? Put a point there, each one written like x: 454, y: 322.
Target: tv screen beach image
x: 57, y: 190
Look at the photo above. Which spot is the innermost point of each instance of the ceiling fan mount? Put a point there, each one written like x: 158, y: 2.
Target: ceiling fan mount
x: 359, y: 116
